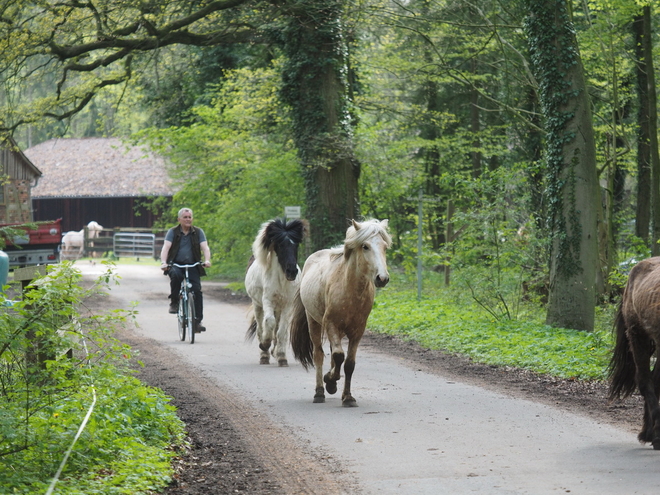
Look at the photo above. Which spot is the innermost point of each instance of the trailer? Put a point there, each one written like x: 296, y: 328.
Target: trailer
x: 40, y: 246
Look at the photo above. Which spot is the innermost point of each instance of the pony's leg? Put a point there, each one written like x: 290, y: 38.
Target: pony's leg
x: 279, y: 349
x: 264, y: 342
x: 640, y: 346
x: 269, y: 325
x: 315, y: 334
x: 347, y: 399
x: 337, y: 359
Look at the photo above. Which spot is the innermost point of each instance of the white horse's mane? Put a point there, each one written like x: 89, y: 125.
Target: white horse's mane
x: 260, y: 254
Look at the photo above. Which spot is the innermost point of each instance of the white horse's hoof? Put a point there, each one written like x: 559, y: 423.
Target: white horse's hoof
x: 282, y: 363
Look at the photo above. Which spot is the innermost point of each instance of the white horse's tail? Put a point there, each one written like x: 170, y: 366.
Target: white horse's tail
x: 301, y: 343
x: 252, y: 330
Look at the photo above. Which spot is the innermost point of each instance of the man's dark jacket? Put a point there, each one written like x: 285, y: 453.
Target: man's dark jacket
x: 197, y: 250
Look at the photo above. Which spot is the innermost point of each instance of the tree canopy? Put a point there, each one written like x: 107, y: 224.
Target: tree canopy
x: 369, y: 103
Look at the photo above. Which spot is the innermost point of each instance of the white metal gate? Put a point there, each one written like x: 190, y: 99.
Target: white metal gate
x: 133, y: 245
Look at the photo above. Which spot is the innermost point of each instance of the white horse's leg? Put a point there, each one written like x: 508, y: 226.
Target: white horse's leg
x: 269, y: 323
x: 281, y: 338
x: 264, y: 344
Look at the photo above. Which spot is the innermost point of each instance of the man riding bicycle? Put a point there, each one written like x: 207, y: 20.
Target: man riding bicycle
x: 185, y: 245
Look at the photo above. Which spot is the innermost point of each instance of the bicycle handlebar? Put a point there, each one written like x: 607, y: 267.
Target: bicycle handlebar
x: 187, y: 266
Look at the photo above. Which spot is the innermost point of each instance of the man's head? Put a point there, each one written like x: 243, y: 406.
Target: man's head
x: 185, y: 217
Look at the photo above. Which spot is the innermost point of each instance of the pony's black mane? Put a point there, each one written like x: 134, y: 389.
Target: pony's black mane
x: 279, y: 231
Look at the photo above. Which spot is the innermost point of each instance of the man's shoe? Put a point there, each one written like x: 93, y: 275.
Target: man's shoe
x: 199, y: 327
x: 174, y: 308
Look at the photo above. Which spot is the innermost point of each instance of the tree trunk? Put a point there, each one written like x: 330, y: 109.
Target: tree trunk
x: 475, y: 126
x: 429, y: 130
x: 316, y: 88
x: 573, y: 190
x: 643, y: 211
x: 647, y: 44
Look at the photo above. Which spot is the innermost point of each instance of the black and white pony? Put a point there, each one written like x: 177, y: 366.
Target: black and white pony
x: 271, y: 282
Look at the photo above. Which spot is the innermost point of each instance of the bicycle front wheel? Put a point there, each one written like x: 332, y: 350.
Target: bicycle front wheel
x: 190, y: 336
x: 181, y: 318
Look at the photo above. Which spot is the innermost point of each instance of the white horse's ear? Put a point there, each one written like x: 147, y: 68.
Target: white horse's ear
x: 385, y: 223
x: 356, y: 225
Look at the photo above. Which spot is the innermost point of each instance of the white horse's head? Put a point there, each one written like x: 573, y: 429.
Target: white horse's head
x: 372, y: 239
x: 94, y: 229
x: 282, y: 239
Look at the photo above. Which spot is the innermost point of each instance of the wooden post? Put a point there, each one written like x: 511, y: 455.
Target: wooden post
x: 449, y: 238
x: 26, y: 275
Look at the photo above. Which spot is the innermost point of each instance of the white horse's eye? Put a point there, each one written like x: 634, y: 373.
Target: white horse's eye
x: 366, y: 247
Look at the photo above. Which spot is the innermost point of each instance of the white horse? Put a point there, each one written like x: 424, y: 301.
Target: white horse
x: 271, y: 282
x: 73, y: 243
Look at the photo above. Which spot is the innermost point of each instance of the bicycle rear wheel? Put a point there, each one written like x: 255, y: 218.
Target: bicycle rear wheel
x: 181, y: 318
x: 190, y: 336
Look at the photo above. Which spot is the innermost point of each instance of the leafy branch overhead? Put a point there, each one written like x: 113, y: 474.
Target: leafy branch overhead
x: 94, y: 45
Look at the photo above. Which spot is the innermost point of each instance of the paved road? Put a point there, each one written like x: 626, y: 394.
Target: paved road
x: 413, y: 433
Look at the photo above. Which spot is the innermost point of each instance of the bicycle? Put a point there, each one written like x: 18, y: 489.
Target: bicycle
x: 186, y: 313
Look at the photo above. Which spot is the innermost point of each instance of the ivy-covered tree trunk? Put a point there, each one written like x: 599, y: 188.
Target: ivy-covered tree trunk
x: 316, y: 88
x: 573, y: 189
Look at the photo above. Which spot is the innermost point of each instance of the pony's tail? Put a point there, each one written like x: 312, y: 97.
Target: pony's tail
x: 301, y: 343
x: 252, y: 329
x: 622, y: 368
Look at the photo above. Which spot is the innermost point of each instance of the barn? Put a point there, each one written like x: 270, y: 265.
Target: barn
x: 98, y: 179
x: 19, y: 176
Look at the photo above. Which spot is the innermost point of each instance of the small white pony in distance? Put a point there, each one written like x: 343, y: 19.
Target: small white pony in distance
x: 73, y: 243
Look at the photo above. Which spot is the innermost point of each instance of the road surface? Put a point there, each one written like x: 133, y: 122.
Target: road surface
x: 413, y: 432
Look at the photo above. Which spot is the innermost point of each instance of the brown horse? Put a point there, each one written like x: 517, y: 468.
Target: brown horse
x: 335, y: 298
x: 637, y: 327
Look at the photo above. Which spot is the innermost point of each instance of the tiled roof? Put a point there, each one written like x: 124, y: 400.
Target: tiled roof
x: 97, y: 167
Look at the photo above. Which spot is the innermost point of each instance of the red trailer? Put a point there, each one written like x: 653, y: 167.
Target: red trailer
x: 38, y: 246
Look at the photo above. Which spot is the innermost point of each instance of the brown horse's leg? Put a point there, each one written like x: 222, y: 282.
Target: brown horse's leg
x: 641, y: 349
x: 347, y: 399
x: 337, y: 358
x: 315, y: 334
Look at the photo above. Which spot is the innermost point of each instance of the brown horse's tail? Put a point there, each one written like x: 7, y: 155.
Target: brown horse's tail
x: 622, y: 364
x: 301, y: 343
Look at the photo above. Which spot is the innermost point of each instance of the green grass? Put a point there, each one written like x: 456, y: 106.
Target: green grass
x: 446, y: 320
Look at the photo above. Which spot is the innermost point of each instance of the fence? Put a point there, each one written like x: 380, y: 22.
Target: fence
x: 123, y: 243
x: 134, y: 245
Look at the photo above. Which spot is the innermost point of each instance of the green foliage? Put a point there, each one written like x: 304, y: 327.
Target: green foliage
x: 445, y: 319
x: 236, y: 165
x: 46, y: 392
